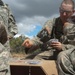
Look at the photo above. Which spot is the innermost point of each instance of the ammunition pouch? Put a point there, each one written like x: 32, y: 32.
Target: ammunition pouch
x: 43, y: 35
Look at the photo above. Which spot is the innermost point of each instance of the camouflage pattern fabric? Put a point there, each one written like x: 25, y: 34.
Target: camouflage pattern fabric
x: 8, y: 20
x: 4, y: 72
x: 65, y: 35
x: 4, y: 53
x: 3, y: 34
x: 66, y: 62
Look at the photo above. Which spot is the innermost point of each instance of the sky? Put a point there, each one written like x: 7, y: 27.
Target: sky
x: 30, y: 15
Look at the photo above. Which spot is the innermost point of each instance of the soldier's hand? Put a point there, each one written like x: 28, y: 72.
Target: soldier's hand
x: 27, y: 43
x: 56, y: 45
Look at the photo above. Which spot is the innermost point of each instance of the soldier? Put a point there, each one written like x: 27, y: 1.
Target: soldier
x: 4, y: 53
x: 7, y: 19
x: 59, y: 31
x: 66, y: 59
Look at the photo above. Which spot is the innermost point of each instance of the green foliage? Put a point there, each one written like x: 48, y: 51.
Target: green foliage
x: 16, y: 44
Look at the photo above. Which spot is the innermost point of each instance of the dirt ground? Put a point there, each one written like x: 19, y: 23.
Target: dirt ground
x: 17, y: 55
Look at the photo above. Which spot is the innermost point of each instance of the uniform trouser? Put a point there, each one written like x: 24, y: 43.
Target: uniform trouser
x: 66, y: 62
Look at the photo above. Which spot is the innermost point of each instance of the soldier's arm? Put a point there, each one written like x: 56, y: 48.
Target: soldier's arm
x: 69, y: 45
x: 69, y: 42
x: 4, y: 57
x: 12, y: 27
x: 45, y: 34
x: 4, y: 53
x: 3, y: 34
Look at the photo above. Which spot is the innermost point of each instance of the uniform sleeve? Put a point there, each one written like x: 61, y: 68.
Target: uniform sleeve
x: 49, y: 24
x: 12, y: 23
x: 69, y: 41
x: 67, y: 46
x: 3, y: 34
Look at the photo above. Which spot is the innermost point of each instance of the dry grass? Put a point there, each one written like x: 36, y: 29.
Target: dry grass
x: 18, y: 55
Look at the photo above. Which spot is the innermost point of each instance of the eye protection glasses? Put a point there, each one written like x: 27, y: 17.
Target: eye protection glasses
x: 65, y: 11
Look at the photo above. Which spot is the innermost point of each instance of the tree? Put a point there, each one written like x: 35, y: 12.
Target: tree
x: 16, y: 44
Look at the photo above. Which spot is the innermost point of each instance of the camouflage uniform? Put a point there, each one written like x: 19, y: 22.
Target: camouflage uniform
x: 66, y: 62
x: 11, y: 29
x: 66, y: 59
x: 65, y: 35
x: 4, y: 54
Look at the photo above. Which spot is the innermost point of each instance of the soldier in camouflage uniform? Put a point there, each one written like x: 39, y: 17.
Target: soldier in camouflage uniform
x: 4, y: 53
x: 8, y: 20
x: 61, y: 28
x: 66, y: 59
